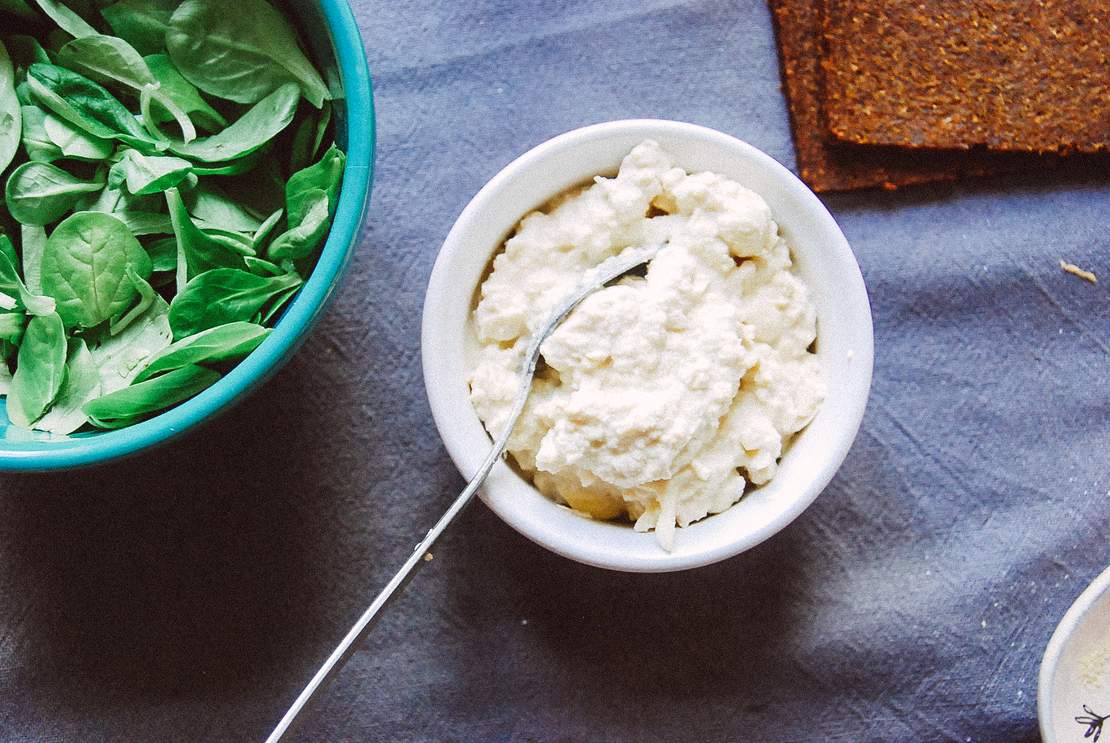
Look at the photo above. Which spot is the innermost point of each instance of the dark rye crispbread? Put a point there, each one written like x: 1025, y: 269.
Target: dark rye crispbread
x: 828, y: 166
x: 1011, y: 75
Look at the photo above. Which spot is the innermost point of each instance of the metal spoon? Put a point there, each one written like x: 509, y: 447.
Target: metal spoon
x: 607, y: 272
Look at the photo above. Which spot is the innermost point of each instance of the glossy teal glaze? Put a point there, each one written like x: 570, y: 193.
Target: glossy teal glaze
x: 340, y: 53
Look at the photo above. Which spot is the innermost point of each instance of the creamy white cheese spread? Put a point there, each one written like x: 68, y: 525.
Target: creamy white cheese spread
x: 661, y: 396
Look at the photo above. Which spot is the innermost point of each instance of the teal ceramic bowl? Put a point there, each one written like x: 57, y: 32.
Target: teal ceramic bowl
x: 329, y: 28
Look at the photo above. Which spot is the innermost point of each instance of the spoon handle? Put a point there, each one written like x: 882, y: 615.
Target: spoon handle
x: 609, y: 270
x: 370, y: 617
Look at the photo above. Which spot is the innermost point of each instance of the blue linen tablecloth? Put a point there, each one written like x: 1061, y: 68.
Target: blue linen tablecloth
x: 188, y: 594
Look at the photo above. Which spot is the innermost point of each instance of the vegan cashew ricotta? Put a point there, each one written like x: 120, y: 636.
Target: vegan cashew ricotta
x: 662, y: 396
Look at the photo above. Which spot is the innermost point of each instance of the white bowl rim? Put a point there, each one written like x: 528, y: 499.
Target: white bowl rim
x: 434, y: 334
x: 1055, y: 649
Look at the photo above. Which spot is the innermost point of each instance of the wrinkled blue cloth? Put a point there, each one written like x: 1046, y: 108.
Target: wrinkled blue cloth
x: 189, y: 593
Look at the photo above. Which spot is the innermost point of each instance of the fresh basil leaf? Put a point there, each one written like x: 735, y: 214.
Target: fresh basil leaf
x: 183, y: 93
x: 148, y: 174
x: 121, y: 357
x: 84, y: 268
x: 327, y: 175
x: 142, y: 23
x: 39, y: 371
x: 11, y: 119
x: 129, y: 405
x: 81, y: 384
x: 40, y: 193
x: 299, y: 242
x: 87, y: 105
x: 221, y: 296
x: 240, y: 51
x: 260, y: 124
x: 229, y: 342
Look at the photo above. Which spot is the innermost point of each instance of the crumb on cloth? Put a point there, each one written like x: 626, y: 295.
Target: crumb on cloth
x: 1075, y: 270
x: 428, y: 557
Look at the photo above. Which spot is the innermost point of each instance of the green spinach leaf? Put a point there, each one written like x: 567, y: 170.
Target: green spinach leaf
x: 142, y: 23
x: 129, y: 405
x: 229, y: 342
x: 212, y: 205
x: 146, y: 298
x: 201, y: 251
x: 240, y: 51
x: 33, y: 241
x: 87, y: 105
x: 262, y: 267
x: 12, y: 325
x: 12, y: 286
x: 254, y: 129
x: 11, y: 119
x: 148, y: 174
x: 40, y: 147
x: 237, y: 166
x: 179, y: 90
x: 262, y: 234
x: 107, y: 59
x: 224, y: 295
x: 81, y: 384
x: 269, y: 313
x: 121, y: 357
x: 84, y: 268
x: 145, y: 223
x: 40, y: 193
x: 110, y: 59
x: 67, y: 19
x: 39, y: 371
x: 76, y: 143
x: 327, y: 175
x: 163, y: 254
x: 300, y: 241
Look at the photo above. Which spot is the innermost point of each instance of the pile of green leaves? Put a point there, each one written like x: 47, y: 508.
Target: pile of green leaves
x: 165, y: 192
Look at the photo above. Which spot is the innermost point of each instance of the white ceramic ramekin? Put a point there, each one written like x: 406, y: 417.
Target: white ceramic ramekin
x: 822, y: 257
x: 1073, y: 688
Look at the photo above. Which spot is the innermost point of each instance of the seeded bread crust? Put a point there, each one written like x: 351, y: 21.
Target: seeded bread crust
x: 1010, y: 75
x: 826, y: 165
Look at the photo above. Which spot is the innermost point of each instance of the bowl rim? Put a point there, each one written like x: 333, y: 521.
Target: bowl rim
x: 1050, y: 661
x: 302, y: 313
x: 434, y: 333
